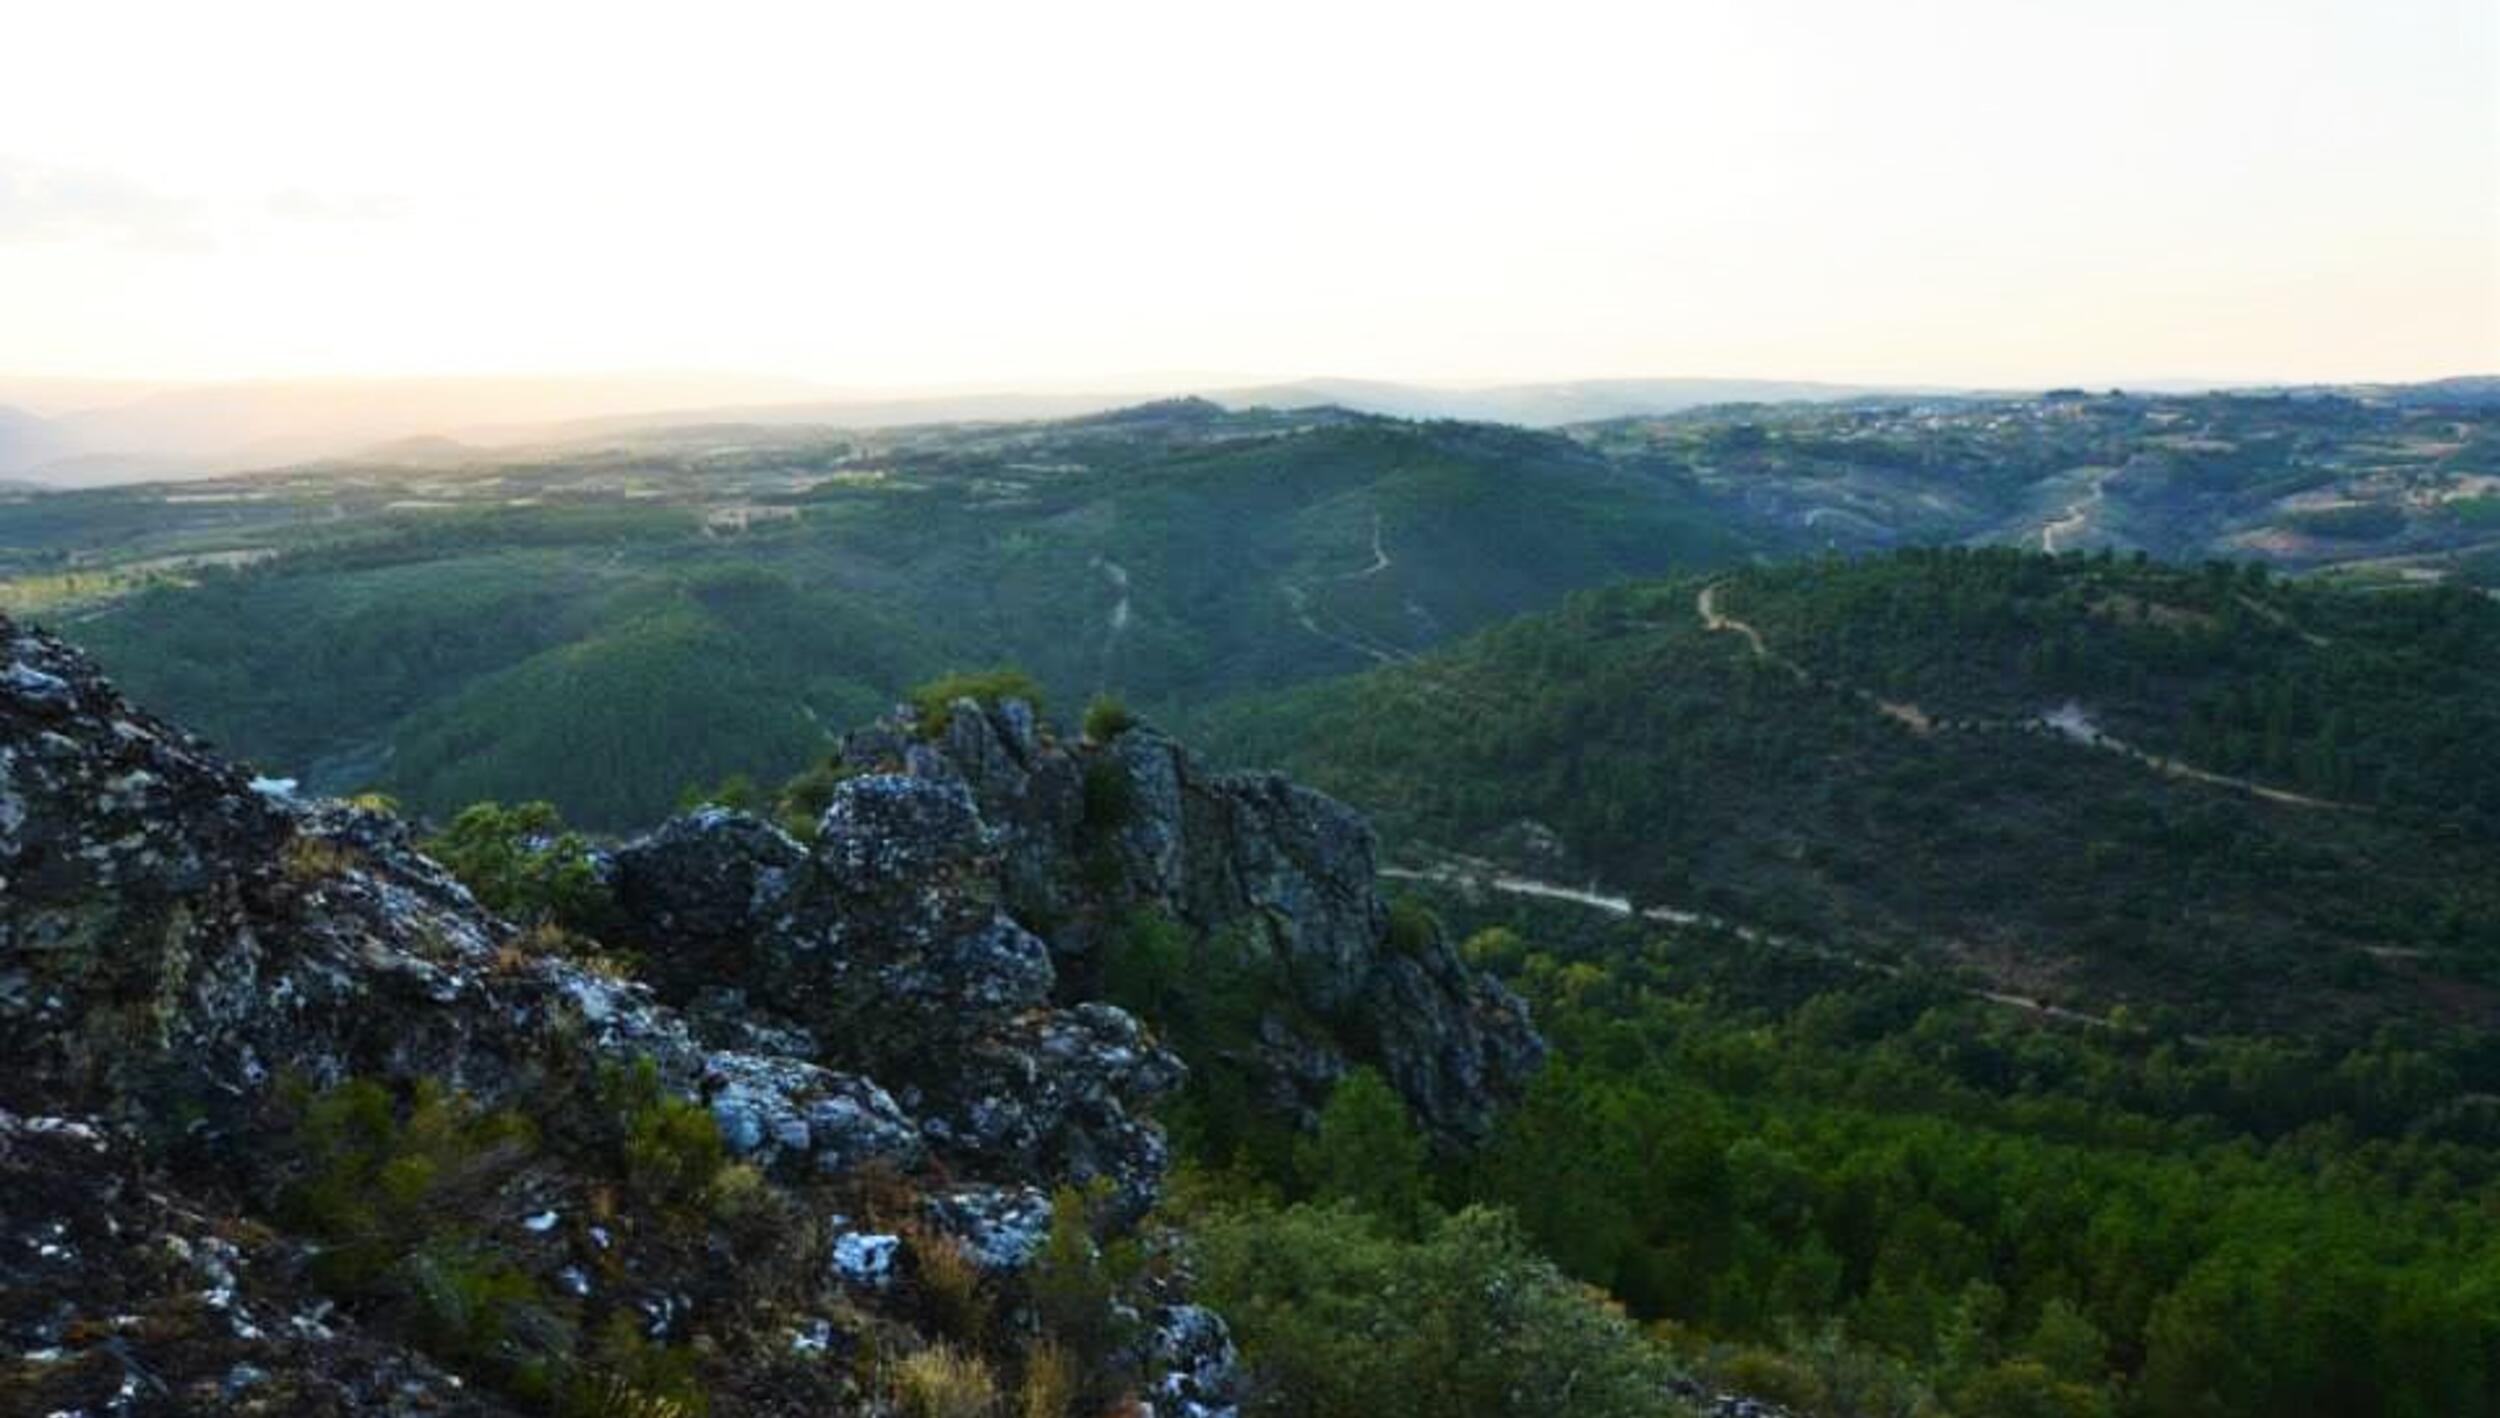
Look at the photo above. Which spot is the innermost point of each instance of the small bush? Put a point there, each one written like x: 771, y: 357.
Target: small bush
x: 952, y: 1295
x: 628, y: 1376
x: 670, y: 1147
x: 1368, y: 1151
x: 1146, y: 966
x: 1110, y: 795
x: 409, y: 1197
x: 523, y: 863
x: 801, y: 801
x: 737, y: 791
x: 402, y: 1199
x: 933, y: 704
x: 1412, y: 926
x: 309, y: 861
x: 1074, y: 1284
x: 1107, y: 718
x: 1343, y: 1320
x: 1050, y: 1382
x: 378, y: 1183
x: 945, y: 1382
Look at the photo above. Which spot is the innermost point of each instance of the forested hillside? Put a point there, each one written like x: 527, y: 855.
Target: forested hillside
x: 2086, y: 779
x: 372, y: 623
x: 1862, y: 1194
x: 604, y: 630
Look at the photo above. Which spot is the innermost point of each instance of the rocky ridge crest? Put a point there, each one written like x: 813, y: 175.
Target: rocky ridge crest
x: 887, y: 1028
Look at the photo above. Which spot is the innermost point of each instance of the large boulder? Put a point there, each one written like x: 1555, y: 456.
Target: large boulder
x: 700, y: 882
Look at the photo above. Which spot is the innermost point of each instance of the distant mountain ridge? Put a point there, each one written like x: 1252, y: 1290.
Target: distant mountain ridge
x: 201, y: 430
x: 142, y: 432
x: 1554, y: 404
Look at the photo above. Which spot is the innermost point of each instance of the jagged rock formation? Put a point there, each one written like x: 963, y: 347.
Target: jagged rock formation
x: 1089, y: 835
x: 182, y: 950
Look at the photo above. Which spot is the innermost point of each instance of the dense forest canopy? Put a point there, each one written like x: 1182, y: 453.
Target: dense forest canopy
x: 1786, y: 790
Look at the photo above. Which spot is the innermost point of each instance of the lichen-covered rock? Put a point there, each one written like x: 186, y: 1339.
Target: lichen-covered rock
x: 867, y: 1260
x: 700, y: 880
x: 886, y: 948
x: 888, y: 832
x: 1083, y: 837
x: 1001, y: 1228
x: 776, y: 1108
x: 1059, y: 1094
x: 1197, y: 1370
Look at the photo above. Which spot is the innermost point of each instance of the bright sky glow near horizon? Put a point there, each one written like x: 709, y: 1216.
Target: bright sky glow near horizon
x: 894, y: 195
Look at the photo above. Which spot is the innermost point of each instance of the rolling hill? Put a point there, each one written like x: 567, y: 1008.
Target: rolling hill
x: 2081, y: 779
x: 608, y: 627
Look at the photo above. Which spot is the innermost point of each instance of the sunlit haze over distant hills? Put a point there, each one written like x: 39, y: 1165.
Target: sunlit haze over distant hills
x: 877, y: 200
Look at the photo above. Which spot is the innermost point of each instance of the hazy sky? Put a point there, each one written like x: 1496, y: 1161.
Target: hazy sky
x: 911, y: 194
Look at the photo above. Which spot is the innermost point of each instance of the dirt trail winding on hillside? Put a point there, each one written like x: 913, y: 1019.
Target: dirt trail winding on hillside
x: 2069, y: 721
x: 2077, y: 514
x: 1307, y: 610
x: 1380, y: 557
x: 1909, y: 716
x: 1485, y: 877
x: 1121, y: 613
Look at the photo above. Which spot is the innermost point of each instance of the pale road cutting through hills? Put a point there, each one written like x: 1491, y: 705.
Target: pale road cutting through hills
x: 2069, y: 721
x: 1909, y: 716
x: 2077, y: 513
x: 1117, y: 626
x: 1380, y: 557
x: 2275, y: 617
x: 1306, y: 612
x: 1488, y: 878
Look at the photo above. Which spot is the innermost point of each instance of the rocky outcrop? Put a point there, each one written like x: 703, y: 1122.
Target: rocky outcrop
x: 885, y: 948
x: 1085, y: 836
x: 180, y: 944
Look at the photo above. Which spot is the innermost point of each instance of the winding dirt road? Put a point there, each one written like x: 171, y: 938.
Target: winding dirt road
x: 1909, y: 716
x: 2077, y: 514
x: 1307, y: 611
x: 1488, y: 878
x: 2069, y: 721
x: 1117, y: 626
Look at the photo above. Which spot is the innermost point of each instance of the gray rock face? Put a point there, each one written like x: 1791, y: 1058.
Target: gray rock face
x: 1083, y: 836
x: 700, y: 879
x: 1197, y: 1370
x: 885, y: 946
x: 1058, y: 1093
x: 1001, y: 1229
x: 984, y: 880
